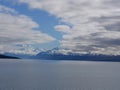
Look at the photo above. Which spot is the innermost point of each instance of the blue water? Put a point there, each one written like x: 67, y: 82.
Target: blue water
x: 59, y: 75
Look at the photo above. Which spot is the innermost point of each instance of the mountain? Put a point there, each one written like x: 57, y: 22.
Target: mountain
x: 55, y: 54
x: 24, y: 56
x: 7, y: 57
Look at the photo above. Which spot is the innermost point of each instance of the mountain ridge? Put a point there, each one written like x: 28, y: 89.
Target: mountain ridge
x: 54, y: 55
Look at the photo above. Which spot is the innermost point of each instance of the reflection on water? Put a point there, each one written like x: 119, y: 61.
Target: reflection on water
x: 59, y: 75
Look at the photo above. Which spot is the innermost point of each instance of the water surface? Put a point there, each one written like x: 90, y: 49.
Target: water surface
x: 59, y: 75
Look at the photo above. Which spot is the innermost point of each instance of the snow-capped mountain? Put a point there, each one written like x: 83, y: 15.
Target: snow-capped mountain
x: 65, y: 54
x: 64, y: 51
x: 57, y: 50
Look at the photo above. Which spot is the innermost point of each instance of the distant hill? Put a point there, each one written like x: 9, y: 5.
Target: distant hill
x: 54, y: 55
x: 22, y: 56
x: 7, y: 57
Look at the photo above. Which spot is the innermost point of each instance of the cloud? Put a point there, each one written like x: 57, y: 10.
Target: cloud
x: 95, y: 24
x: 17, y: 29
x: 63, y: 28
x: 19, y: 49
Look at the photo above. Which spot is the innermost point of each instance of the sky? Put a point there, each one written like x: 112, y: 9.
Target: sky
x: 76, y: 26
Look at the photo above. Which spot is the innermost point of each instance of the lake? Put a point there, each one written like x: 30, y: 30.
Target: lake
x: 58, y: 75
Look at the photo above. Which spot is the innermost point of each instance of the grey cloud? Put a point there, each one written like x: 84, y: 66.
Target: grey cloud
x: 110, y: 23
x: 8, y: 40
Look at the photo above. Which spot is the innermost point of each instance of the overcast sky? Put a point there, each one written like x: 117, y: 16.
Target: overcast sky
x: 79, y: 26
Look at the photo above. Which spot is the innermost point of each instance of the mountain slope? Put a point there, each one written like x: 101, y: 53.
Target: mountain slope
x: 7, y: 57
x: 54, y: 55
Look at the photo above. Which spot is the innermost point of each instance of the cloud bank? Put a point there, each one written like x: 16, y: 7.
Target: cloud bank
x: 91, y: 26
x: 17, y: 29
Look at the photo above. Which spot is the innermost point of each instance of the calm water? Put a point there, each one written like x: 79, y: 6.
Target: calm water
x: 59, y: 75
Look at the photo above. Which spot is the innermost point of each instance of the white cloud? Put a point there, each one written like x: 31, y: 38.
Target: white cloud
x: 6, y: 9
x: 63, y: 28
x: 19, y: 29
x: 95, y: 23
